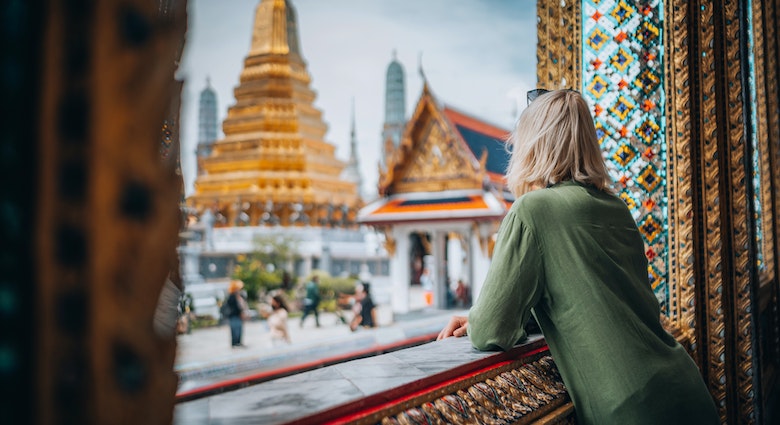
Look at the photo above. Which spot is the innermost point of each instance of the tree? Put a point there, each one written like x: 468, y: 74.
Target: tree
x: 265, y: 268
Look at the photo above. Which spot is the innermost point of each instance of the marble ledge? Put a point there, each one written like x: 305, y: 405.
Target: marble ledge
x: 333, y: 391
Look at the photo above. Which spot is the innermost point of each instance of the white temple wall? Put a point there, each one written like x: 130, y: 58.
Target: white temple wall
x: 480, y: 262
x: 399, y: 270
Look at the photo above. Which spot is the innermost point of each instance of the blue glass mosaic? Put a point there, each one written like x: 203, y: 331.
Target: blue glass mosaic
x: 622, y: 63
x: 756, y: 160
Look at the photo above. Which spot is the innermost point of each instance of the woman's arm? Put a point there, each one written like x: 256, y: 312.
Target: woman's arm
x: 511, y: 288
x: 353, y: 325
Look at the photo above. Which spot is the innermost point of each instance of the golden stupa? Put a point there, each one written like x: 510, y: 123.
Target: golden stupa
x: 273, y: 167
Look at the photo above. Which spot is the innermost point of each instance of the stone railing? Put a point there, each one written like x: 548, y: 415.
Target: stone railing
x: 437, y: 383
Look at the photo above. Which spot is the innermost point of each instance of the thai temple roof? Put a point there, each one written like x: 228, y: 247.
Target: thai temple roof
x: 449, y: 166
x: 480, y: 137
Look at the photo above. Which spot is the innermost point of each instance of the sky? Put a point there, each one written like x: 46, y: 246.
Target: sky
x: 478, y: 56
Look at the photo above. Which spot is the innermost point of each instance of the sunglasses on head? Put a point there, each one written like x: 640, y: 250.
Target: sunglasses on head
x: 533, y: 94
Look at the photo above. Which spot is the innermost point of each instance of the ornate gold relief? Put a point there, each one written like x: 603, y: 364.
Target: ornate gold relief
x: 682, y: 294
x: 741, y: 221
x: 713, y: 285
x: 559, y: 56
x: 429, y: 157
x: 436, y: 163
x: 389, y: 242
x: 519, y: 393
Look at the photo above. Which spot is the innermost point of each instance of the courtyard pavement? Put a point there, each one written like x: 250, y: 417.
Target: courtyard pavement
x: 205, y: 357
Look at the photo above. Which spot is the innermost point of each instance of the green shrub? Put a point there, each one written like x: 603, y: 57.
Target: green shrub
x: 203, y: 322
x: 257, y: 278
x: 330, y: 288
x: 262, y: 270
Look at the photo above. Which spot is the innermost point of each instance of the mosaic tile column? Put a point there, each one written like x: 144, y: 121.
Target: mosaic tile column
x: 622, y: 80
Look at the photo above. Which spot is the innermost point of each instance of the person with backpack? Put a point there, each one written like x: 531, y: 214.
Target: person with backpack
x: 234, y: 310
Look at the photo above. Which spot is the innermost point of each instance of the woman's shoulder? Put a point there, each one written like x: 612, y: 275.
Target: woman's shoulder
x: 533, y: 203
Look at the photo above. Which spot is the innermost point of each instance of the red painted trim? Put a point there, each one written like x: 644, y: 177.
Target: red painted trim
x: 358, y: 409
x: 476, y: 124
x: 414, y: 218
x: 246, y: 381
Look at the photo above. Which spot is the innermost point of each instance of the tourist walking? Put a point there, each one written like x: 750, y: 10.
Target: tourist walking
x: 312, y: 300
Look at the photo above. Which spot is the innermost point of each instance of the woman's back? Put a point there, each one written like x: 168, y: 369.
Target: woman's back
x: 585, y: 274
x: 573, y: 254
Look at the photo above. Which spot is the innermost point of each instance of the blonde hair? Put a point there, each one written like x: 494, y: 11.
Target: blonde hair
x: 235, y: 286
x: 554, y: 141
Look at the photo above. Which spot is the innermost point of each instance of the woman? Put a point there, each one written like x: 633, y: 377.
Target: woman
x: 277, y: 321
x: 364, y: 310
x: 570, y: 250
x: 236, y: 311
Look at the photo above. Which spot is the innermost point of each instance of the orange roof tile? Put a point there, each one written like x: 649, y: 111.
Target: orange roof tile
x: 475, y: 124
x: 403, y: 205
x: 434, y: 206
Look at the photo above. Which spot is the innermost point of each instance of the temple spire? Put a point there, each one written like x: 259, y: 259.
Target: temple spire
x: 270, y: 30
x: 207, y: 122
x: 352, y: 171
x: 274, y: 166
x: 395, y: 109
x: 352, y: 132
x: 420, y: 69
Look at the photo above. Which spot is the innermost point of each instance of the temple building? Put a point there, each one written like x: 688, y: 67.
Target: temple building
x: 207, y: 122
x: 442, y: 197
x: 273, y: 172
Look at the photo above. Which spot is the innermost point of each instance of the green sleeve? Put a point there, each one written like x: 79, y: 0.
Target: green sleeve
x: 512, y: 286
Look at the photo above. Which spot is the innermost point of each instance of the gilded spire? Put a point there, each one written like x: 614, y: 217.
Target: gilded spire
x: 274, y: 149
x: 270, y: 31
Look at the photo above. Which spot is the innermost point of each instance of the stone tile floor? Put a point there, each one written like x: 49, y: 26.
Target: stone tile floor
x: 206, y: 357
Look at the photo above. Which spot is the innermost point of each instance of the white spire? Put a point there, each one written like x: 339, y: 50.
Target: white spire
x: 352, y: 170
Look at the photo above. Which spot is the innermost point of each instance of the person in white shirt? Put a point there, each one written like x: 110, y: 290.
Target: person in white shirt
x: 277, y: 321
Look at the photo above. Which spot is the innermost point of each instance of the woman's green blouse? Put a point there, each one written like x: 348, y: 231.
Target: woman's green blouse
x: 573, y: 255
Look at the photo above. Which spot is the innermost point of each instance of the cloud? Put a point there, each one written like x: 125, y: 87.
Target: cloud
x: 477, y: 56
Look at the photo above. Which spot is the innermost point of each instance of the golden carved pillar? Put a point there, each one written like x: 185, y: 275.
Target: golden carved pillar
x: 718, y: 215
x: 721, y: 217
x: 559, y: 25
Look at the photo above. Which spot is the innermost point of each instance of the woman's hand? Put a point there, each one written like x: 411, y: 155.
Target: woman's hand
x: 457, y: 327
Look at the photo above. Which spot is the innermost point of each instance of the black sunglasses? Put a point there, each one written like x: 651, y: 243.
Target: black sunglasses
x: 533, y: 94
